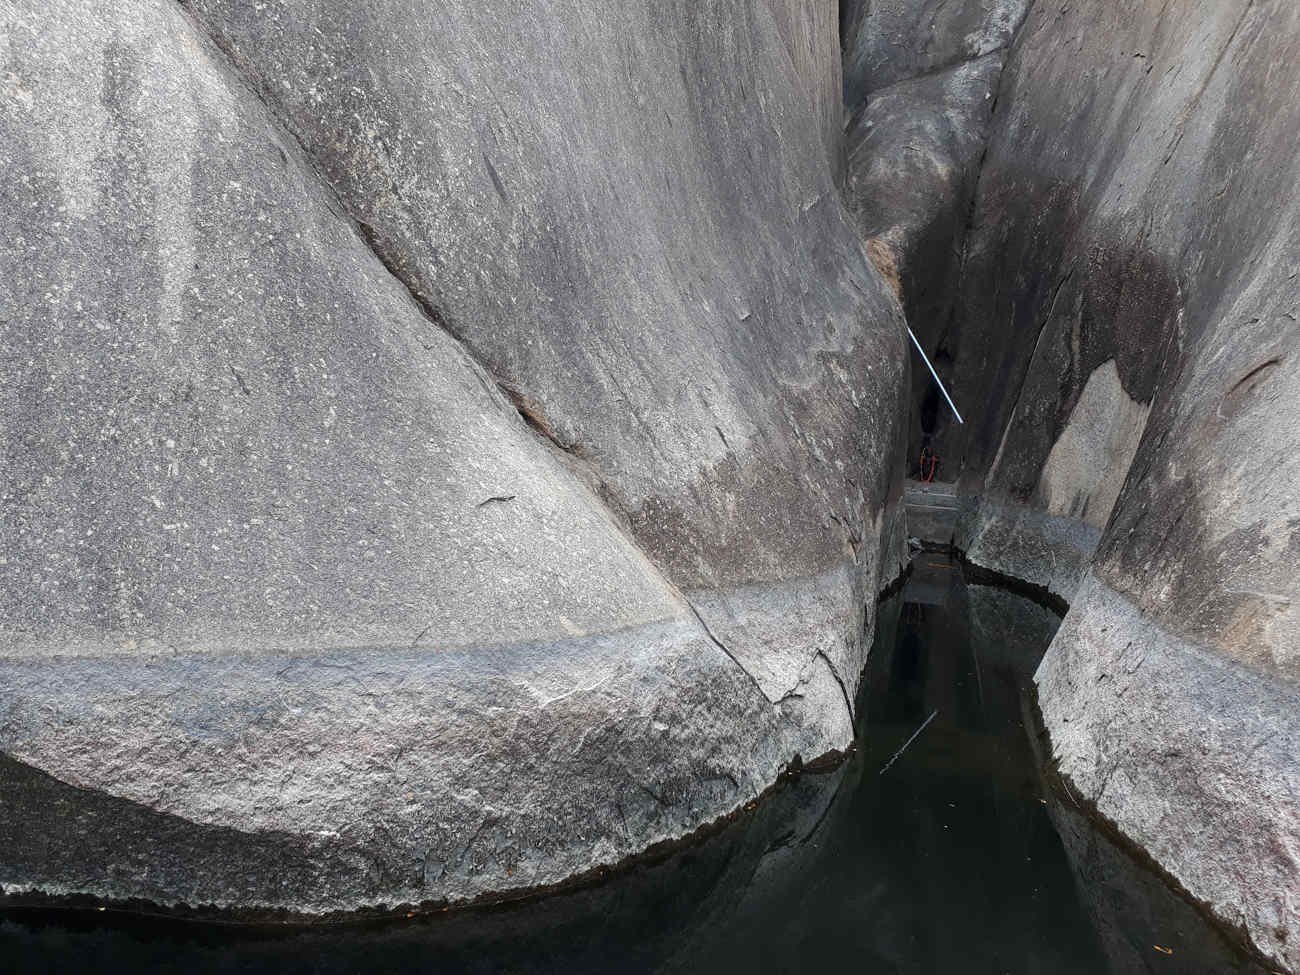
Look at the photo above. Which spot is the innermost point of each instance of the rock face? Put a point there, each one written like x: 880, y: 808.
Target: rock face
x: 914, y: 150
x: 1128, y: 303
x: 451, y: 456
x: 812, y: 39
x: 922, y: 81
x: 1191, y: 754
x: 887, y: 41
x: 562, y: 233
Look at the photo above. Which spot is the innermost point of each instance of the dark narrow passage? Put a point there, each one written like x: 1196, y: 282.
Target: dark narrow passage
x: 955, y: 858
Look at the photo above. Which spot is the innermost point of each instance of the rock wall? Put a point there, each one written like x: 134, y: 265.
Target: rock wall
x: 1128, y: 303
x: 447, y: 447
x: 888, y: 41
x: 812, y: 37
x: 922, y: 81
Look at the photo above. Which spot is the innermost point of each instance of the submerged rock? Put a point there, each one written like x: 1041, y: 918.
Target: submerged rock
x: 428, y: 529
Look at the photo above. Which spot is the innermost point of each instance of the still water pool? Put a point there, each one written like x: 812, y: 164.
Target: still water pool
x: 939, y: 846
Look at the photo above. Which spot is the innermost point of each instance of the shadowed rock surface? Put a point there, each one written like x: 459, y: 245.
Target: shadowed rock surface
x: 1128, y: 306
x: 914, y: 150
x: 921, y: 81
x: 345, y: 544
x: 887, y: 41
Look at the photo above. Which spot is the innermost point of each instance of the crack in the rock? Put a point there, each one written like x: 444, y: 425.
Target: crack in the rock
x: 1029, y: 364
x: 848, y: 704
x: 708, y: 631
x: 529, y: 411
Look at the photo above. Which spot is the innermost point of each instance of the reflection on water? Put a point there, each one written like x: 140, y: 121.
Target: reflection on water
x: 953, y: 859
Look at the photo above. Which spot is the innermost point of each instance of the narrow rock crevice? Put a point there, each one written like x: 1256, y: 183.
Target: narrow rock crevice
x: 848, y: 701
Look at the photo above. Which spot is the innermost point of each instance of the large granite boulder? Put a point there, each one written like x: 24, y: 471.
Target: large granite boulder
x: 626, y: 213
x: 463, y: 473
x: 1129, y: 305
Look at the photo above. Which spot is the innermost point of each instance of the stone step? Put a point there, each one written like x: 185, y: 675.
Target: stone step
x: 937, y: 495
x: 931, y: 510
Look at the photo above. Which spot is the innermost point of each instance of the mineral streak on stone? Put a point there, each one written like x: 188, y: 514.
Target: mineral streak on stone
x: 419, y: 421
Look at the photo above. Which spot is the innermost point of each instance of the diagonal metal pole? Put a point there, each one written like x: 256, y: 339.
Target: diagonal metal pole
x: 916, y: 734
x: 926, y: 360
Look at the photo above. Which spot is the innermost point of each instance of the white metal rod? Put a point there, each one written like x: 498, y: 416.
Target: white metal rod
x: 926, y: 360
x: 916, y: 734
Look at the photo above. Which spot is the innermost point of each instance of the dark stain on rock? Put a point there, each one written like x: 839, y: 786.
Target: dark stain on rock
x: 496, y: 180
x: 1236, y: 397
x: 1047, y: 297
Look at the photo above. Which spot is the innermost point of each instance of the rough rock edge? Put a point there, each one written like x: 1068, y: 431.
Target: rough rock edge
x: 16, y: 897
x: 1068, y: 802
x: 1024, y: 543
x: 39, y: 895
x: 1083, y: 683
x: 1057, y: 693
x: 367, y: 864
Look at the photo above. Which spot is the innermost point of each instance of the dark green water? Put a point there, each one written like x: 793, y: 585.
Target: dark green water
x: 956, y: 859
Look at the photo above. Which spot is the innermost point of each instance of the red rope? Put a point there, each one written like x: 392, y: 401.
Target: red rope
x: 929, y: 465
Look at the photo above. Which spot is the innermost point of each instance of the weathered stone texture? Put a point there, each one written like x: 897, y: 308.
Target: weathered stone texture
x: 887, y: 41
x: 567, y: 185
x: 286, y: 578
x: 1191, y: 754
x: 1128, y: 303
x: 921, y: 81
